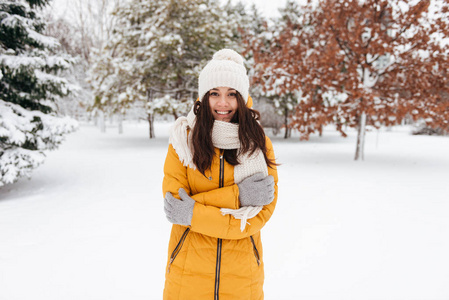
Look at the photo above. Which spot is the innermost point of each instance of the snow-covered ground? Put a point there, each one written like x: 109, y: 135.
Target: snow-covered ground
x: 89, y: 225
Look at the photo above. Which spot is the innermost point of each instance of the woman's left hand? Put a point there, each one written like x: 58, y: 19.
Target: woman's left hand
x: 179, y: 211
x: 256, y: 190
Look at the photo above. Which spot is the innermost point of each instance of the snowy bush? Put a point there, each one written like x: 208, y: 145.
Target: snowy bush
x: 21, y: 128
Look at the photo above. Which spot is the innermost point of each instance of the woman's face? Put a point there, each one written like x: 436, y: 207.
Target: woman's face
x: 223, y: 103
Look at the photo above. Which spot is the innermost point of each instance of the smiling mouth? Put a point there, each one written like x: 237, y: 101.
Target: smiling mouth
x: 223, y: 112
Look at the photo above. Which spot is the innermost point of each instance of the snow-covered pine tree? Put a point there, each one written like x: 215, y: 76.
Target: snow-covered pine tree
x: 253, y: 28
x: 156, y: 52
x: 240, y: 21
x: 29, y: 87
x: 286, y: 100
x: 275, y: 86
x: 110, y: 77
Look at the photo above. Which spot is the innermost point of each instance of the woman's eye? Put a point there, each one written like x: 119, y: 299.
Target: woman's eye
x: 233, y: 95
x: 215, y: 94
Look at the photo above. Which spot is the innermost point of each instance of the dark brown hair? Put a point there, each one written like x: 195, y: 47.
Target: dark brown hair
x: 251, y: 134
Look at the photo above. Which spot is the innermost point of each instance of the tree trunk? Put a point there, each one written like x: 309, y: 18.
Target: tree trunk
x: 359, y: 151
x: 150, y: 118
x: 287, y: 133
x: 102, y: 122
x: 287, y: 130
x: 120, y: 123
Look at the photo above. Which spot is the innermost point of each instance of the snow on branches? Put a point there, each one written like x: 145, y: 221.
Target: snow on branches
x: 156, y: 52
x: 30, y: 85
x: 361, y: 61
x: 25, y: 135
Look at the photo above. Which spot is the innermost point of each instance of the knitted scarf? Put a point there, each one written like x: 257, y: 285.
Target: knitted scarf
x: 225, y: 135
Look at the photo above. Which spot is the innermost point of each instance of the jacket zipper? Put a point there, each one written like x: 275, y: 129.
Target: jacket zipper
x: 221, y: 182
x: 256, y: 253
x: 217, y: 269
x: 219, y: 241
x: 177, y: 248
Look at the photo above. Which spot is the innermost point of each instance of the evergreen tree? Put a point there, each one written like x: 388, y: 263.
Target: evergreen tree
x: 156, y: 52
x: 29, y: 88
x: 279, y: 93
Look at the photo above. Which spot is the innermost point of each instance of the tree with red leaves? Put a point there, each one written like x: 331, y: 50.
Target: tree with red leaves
x: 359, y: 63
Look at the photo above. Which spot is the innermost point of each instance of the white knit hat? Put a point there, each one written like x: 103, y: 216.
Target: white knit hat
x: 226, y: 69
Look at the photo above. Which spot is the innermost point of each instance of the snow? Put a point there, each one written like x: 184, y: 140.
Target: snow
x: 19, y: 126
x: 16, y: 62
x: 25, y: 61
x: 45, y: 78
x: 18, y: 162
x: 90, y: 223
x: 46, y: 41
x: 15, y: 20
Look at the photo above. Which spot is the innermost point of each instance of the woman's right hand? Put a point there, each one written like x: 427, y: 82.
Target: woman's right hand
x: 256, y: 190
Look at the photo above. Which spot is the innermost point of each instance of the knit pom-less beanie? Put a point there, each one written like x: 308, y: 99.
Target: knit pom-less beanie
x: 226, y: 69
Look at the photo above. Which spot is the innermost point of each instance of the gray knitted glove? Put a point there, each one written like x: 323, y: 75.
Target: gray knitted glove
x: 179, y: 211
x: 256, y: 190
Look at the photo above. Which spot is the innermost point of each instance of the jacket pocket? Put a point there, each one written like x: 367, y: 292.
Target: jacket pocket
x: 177, y: 248
x: 256, y: 252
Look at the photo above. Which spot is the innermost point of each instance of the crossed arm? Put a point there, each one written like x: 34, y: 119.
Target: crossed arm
x: 207, y: 218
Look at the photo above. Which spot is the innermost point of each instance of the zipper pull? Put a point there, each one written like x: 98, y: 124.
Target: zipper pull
x: 169, y: 265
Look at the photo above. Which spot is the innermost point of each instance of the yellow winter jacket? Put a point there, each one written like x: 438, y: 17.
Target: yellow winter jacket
x: 212, y: 258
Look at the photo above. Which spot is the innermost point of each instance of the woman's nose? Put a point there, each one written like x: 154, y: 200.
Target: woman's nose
x: 222, y: 100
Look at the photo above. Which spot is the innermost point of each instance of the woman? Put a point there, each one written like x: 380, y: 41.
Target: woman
x: 220, y: 188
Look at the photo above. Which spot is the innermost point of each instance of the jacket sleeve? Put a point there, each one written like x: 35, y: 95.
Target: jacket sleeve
x: 208, y: 220
x: 225, y: 197
x: 175, y: 174
x: 175, y: 177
